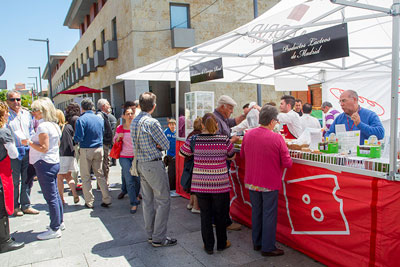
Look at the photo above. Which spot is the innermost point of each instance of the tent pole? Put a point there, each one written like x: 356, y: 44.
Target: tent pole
x: 395, y: 90
x: 177, y: 98
x: 259, y: 98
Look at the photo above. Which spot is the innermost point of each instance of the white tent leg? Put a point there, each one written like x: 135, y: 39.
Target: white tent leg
x: 395, y: 90
x: 177, y: 98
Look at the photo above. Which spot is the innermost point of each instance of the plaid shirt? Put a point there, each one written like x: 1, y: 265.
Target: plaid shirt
x: 21, y: 121
x: 151, y: 135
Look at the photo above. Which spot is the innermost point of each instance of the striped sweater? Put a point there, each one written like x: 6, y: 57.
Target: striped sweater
x: 210, y: 173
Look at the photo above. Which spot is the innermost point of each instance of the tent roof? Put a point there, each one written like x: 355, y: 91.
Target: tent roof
x: 247, y: 51
x: 80, y: 90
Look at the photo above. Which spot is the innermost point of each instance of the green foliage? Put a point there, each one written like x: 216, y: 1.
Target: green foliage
x: 26, y: 101
x: 3, y: 96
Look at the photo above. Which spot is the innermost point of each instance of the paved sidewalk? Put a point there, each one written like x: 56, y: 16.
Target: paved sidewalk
x: 114, y: 237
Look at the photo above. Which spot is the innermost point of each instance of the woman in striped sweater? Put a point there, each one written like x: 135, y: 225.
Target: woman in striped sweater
x: 210, y: 181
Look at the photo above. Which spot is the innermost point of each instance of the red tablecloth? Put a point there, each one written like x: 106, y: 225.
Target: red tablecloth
x: 336, y: 218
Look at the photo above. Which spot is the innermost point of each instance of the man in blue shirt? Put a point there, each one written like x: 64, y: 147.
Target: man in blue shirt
x: 356, y: 118
x: 89, y: 130
x: 169, y: 159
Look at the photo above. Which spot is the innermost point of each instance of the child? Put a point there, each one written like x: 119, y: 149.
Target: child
x: 169, y: 159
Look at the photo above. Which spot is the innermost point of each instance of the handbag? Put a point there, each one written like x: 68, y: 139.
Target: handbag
x: 133, y: 170
x: 116, y: 149
x: 186, y: 178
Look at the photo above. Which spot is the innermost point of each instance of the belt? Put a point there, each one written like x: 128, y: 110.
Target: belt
x: 157, y: 159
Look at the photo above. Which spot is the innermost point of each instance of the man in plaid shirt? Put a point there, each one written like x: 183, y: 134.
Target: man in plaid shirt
x: 151, y: 140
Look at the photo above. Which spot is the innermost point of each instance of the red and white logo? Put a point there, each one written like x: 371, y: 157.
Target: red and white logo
x: 312, y: 211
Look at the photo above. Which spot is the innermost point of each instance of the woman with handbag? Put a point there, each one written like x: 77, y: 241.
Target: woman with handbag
x: 68, y: 163
x: 210, y: 181
x: 123, y: 135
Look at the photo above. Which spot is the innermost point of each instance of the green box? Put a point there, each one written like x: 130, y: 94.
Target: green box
x: 329, y: 148
x: 369, y: 151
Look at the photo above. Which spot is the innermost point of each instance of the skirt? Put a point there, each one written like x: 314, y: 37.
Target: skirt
x: 68, y: 164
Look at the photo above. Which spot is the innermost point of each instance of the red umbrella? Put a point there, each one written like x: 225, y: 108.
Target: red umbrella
x: 80, y: 90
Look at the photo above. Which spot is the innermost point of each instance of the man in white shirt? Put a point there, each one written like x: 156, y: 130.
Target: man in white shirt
x: 307, y: 121
x: 289, y: 118
x: 21, y: 124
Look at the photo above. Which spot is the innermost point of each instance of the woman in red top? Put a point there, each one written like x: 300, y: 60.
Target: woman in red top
x: 126, y: 157
x: 7, y: 150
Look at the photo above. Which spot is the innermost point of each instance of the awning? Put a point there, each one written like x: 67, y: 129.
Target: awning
x: 80, y: 90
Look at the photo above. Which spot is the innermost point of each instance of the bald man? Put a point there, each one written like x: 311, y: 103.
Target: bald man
x: 356, y: 118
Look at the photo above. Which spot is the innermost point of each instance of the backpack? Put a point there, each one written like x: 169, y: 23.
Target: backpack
x: 108, y: 133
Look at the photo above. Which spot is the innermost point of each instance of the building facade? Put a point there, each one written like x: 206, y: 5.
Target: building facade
x: 117, y: 36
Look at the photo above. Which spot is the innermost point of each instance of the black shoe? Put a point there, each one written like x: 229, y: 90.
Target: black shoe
x: 105, y: 205
x: 257, y: 248
x: 10, y: 245
x: 228, y: 244
x: 89, y: 206
x: 276, y: 252
x: 209, y: 252
x: 167, y: 242
x: 121, y: 195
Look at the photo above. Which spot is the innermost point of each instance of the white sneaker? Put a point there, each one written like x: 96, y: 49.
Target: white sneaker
x: 195, y: 211
x: 62, y: 226
x: 50, y: 234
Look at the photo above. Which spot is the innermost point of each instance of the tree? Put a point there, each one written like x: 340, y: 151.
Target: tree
x: 26, y: 101
x: 3, y: 95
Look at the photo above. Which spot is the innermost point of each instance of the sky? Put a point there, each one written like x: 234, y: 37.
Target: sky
x: 38, y: 19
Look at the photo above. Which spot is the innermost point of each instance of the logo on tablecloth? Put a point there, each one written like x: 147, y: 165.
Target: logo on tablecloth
x: 312, y: 211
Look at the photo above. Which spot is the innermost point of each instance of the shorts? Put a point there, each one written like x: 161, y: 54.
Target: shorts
x: 68, y: 164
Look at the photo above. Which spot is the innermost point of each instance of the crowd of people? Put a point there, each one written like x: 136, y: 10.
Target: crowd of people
x: 52, y: 142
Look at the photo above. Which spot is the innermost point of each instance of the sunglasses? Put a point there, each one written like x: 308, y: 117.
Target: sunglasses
x: 14, y: 99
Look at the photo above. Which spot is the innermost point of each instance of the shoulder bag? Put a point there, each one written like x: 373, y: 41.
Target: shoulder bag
x: 116, y: 149
x: 186, y: 178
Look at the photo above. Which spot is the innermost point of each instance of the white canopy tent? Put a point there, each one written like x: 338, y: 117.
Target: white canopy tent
x: 247, y: 51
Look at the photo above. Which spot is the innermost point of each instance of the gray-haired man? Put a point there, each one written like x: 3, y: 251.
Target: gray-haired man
x: 225, y: 106
x: 89, y: 134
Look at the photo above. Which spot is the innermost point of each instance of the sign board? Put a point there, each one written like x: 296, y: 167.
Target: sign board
x: 317, y: 46
x: 2, y: 65
x: 3, y: 84
x: 206, y: 71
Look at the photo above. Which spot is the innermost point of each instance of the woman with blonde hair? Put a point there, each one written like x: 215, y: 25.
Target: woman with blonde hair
x: 45, y: 157
x: 7, y: 150
x: 68, y: 162
x: 210, y: 181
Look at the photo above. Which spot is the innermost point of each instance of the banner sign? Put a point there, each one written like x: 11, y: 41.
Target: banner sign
x: 206, y: 71
x: 317, y: 46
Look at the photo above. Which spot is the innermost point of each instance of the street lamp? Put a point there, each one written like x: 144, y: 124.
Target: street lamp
x: 40, y: 77
x: 35, y: 77
x: 32, y: 90
x: 48, y: 62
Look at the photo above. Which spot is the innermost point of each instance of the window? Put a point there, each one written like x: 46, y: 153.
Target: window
x: 94, y: 46
x: 103, y: 39
x: 180, y: 17
x: 87, y: 52
x: 81, y: 58
x: 114, y: 29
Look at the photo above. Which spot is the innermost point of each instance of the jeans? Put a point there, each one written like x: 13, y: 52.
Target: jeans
x: 264, y: 215
x: 47, y: 177
x: 20, y: 170
x: 216, y: 205
x: 132, y: 182
x: 156, y: 198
